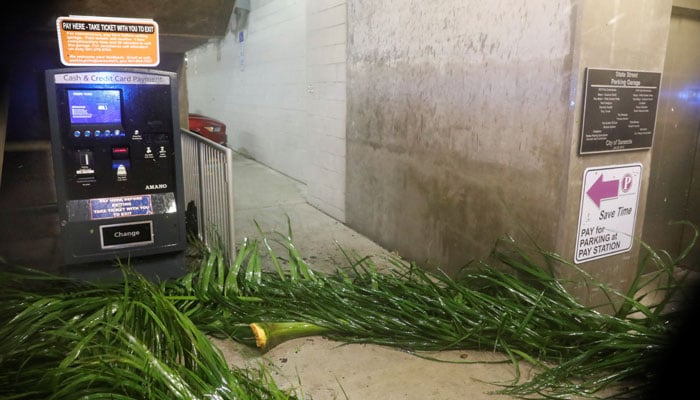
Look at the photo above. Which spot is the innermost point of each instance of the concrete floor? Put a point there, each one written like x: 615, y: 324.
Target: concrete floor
x: 321, y: 369
x: 269, y: 197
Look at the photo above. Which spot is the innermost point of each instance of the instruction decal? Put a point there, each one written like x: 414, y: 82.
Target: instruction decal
x: 119, y: 207
x: 88, y: 41
x: 609, y: 202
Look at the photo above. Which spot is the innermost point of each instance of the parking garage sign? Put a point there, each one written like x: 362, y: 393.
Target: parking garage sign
x: 609, y: 201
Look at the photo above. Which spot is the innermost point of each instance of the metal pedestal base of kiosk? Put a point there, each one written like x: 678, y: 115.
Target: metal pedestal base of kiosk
x: 155, y: 268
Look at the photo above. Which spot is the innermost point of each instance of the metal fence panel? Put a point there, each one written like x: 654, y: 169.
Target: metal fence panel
x: 208, y: 181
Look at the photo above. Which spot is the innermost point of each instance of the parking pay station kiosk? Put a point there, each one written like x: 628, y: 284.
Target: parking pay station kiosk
x: 116, y: 151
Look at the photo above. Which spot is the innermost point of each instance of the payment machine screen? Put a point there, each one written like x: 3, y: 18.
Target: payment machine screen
x: 95, y: 106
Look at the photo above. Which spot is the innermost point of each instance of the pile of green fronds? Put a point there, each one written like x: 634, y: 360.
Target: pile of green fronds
x: 63, y: 339
x: 523, y: 311
x: 72, y: 337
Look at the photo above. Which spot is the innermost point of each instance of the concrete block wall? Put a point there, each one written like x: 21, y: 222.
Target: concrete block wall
x: 281, y: 92
x: 257, y: 85
x: 326, y: 105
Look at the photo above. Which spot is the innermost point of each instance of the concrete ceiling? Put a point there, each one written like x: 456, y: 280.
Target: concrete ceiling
x: 183, y: 24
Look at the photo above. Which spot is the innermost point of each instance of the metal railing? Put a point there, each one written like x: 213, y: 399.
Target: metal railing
x: 208, y: 186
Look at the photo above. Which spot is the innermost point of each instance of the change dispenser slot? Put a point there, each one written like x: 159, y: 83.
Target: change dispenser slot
x: 118, y: 236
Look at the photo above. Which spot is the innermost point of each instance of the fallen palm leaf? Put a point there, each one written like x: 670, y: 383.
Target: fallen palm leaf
x: 512, y: 303
x: 518, y: 307
x: 63, y: 339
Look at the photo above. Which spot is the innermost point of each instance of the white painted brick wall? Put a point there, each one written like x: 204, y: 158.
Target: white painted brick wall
x: 282, y: 92
x: 258, y: 87
x: 326, y: 104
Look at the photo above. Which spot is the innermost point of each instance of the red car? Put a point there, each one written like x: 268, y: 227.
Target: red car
x: 210, y: 128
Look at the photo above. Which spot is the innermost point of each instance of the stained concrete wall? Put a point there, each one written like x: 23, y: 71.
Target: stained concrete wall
x: 458, y: 123
x: 464, y: 120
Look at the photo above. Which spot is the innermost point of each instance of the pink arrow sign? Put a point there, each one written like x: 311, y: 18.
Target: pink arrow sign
x: 601, y: 190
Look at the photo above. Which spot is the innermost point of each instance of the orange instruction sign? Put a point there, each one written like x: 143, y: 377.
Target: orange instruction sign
x: 86, y: 41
